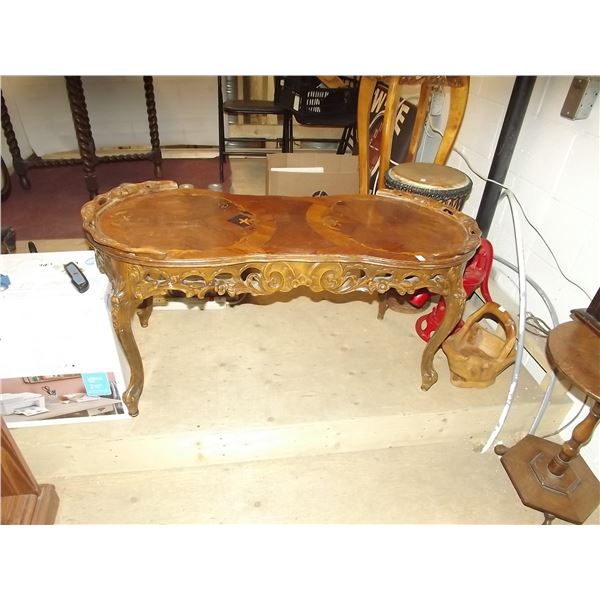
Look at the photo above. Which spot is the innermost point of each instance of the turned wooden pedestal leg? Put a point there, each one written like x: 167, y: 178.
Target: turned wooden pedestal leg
x: 549, y: 477
x: 554, y: 479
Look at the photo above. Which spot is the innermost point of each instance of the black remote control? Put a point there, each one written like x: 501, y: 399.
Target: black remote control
x: 77, y: 277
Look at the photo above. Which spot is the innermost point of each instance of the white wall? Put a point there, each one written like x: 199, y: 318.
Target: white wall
x: 555, y: 174
x: 39, y: 110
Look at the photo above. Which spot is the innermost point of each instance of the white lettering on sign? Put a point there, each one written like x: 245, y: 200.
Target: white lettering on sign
x: 378, y: 100
x: 404, y: 108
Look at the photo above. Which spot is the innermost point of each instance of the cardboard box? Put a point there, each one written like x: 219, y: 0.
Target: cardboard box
x: 311, y: 174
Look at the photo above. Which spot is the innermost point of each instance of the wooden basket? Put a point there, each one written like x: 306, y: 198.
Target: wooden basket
x: 476, y: 356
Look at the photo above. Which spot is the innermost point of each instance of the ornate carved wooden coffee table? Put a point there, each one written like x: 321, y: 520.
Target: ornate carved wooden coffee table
x: 153, y: 237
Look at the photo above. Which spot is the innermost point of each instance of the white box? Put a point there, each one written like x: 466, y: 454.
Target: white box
x: 48, y: 327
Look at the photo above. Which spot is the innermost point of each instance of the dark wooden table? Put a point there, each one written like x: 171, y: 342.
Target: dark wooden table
x: 85, y: 139
x: 152, y: 238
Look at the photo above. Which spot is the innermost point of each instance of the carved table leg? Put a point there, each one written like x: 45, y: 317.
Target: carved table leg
x: 455, y: 303
x: 391, y: 299
x: 125, y: 301
x: 19, y: 165
x: 382, y: 301
x: 153, y: 124
x: 83, y: 132
x: 145, y: 310
x: 122, y: 311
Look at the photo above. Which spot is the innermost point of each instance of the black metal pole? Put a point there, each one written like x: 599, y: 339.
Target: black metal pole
x: 515, y: 113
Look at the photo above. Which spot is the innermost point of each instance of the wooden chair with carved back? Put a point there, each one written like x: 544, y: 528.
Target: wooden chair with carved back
x: 459, y: 92
x: 375, y: 143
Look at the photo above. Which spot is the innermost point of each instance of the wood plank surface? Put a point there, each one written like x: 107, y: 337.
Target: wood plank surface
x: 388, y: 486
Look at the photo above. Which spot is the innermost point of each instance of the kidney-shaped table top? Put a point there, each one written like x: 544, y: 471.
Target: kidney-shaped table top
x: 159, y: 221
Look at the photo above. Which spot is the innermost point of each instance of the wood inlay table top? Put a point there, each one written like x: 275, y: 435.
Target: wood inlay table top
x: 154, y: 237
x: 201, y: 224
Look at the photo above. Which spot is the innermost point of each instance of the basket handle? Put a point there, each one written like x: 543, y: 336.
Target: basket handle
x: 503, y: 316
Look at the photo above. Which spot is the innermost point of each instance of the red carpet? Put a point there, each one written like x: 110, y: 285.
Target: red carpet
x: 51, y: 208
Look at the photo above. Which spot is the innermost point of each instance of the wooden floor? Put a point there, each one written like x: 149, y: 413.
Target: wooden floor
x: 295, y: 409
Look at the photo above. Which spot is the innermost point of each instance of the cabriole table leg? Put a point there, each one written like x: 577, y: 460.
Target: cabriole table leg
x: 122, y: 314
x: 145, y: 310
x: 455, y: 303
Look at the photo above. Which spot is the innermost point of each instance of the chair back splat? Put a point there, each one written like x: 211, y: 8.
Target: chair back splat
x: 248, y: 145
x: 373, y: 88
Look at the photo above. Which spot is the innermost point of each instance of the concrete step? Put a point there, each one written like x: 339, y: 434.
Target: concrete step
x: 274, y: 379
x: 427, y: 484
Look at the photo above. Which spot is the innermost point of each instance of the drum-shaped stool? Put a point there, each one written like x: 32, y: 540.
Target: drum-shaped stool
x: 438, y: 182
x: 448, y: 186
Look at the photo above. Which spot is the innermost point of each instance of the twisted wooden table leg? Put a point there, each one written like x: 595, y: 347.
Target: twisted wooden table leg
x: 455, y: 302
x: 19, y: 165
x: 153, y: 124
x: 83, y: 132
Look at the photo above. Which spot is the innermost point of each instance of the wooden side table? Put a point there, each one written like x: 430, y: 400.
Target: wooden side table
x: 548, y: 477
x: 85, y: 139
x: 24, y: 501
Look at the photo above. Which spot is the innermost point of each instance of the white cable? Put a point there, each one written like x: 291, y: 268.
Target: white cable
x: 522, y: 303
x: 521, y: 331
x: 438, y: 132
x: 555, y: 322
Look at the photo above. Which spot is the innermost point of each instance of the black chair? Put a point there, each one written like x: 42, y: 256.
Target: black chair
x: 314, y: 104
x: 227, y: 144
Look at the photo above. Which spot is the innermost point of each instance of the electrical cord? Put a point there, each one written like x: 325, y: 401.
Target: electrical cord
x: 438, y: 132
x: 551, y: 252
x: 521, y: 324
x: 534, y: 321
x: 536, y: 326
x: 506, y: 192
x: 553, y: 379
x: 561, y: 429
x: 520, y: 269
